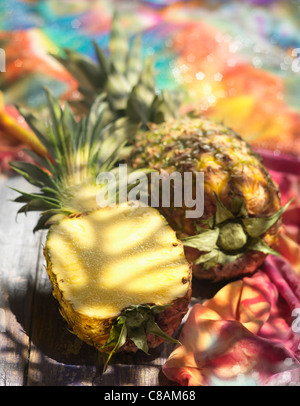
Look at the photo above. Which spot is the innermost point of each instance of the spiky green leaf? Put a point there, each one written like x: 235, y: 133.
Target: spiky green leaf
x: 134, y: 62
x: 38, y: 127
x: 216, y: 257
x: 33, y: 174
x: 116, y: 339
x: 117, y: 89
x: 84, y: 69
x: 206, y: 240
x: 118, y: 45
x: 153, y: 328
x: 257, y: 244
x: 222, y: 213
x: 104, y: 67
x: 257, y: 226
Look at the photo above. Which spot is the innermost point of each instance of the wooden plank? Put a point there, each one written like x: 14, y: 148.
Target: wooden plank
x: 19, y: 254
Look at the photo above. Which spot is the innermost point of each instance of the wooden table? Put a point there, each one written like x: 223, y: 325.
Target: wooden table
x: 36, y: 347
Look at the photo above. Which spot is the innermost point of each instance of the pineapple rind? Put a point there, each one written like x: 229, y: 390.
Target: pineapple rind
x: 229, y: 164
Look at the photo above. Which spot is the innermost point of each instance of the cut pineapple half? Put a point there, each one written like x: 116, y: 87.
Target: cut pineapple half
x: 118, y: 273
x: 105, y: 261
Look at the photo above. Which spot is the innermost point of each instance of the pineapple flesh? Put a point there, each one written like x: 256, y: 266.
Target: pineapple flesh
x: 105, y: 261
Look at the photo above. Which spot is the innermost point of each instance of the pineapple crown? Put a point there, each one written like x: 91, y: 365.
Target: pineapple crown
x: 78, y: 150
x: 127, y: 83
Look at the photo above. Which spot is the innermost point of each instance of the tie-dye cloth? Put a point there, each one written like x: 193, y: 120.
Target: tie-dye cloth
x: 249, y: 332
x: 243, y: 336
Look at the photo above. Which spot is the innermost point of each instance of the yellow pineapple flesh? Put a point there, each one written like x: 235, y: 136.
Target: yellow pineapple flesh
x: 102, y: 262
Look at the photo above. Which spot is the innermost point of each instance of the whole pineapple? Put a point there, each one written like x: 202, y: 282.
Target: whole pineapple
x: 118, y: 272
x: 241, y: 202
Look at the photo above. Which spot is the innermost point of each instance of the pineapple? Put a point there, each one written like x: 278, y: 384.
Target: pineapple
x: 242, y: 206
x: 118, y: 272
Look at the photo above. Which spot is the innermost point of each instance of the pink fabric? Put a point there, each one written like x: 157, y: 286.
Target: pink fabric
x: 241, y: 336
x: 249, y: 332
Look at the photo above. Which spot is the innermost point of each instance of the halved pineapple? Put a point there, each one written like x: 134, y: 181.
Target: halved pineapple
x: 106, y: 261
x: 118, y: 272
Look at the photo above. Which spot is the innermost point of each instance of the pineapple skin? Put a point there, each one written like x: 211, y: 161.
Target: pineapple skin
x: 95, y: 331
x: 231, y: 168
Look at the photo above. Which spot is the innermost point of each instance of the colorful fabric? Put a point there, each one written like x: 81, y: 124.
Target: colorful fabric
x: 242, y: 336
